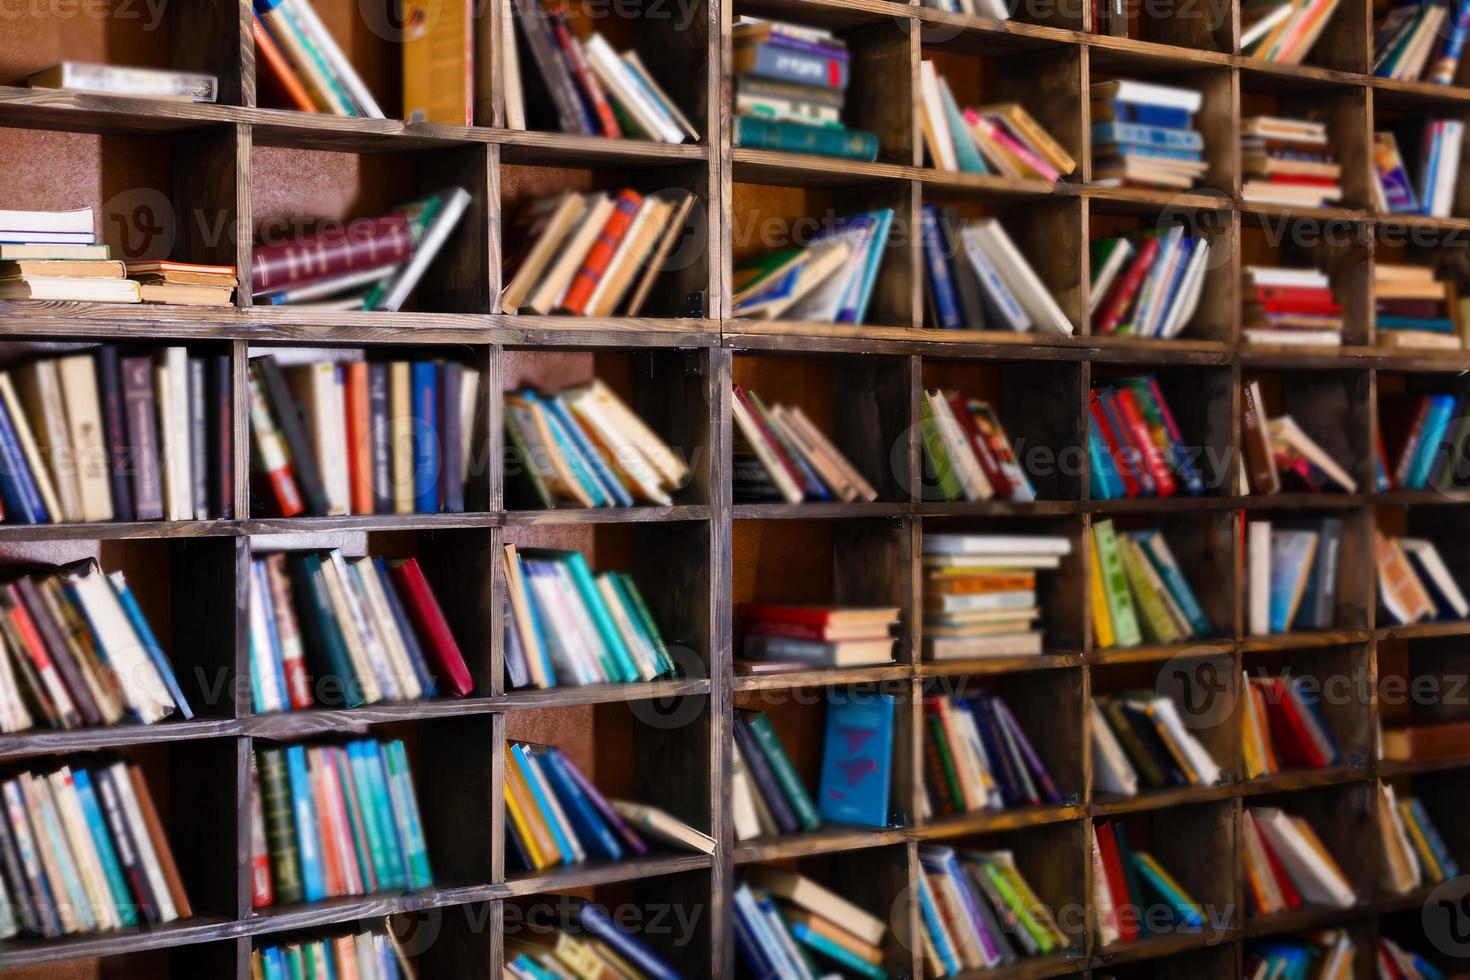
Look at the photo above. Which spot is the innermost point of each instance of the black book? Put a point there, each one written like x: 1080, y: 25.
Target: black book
x: 451, y: 442
x: 1153, y: 744
x: 198, y: 440
x: 221, y: 438
x: 382, y: 435
x: 292, y: 423
x: 114, y: 429
x: 765, y: 780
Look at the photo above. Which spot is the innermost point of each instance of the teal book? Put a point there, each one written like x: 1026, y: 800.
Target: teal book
x: 857, y: 758
x: 117, y: 885
x: 965, y: 152
x: 624, y: 669
x: 531, y: 773
x: 755, y: 133
x: 641, y: 619
x: 150, y: 642
x: 855, y: 304
x: 1291, y: 560
x: 785, y: 773
x: 846, y: 958
x: 356, y: 816
x: 935, y: 927
x: 308, y: 834
x: 571, y: 452
x: 1157, y: 549
x: 1151, y: 872
x: 1441, y: 410
x: 372, y: 791
x: 406, y: 809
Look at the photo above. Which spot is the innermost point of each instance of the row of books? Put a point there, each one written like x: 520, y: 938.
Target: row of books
x: 331, y: 438
x: 1432, y: 189
x: 1413, y: 309
x: 1278, y: 453
x: 1287, y: 865
x: 767, y: 796
x: 1434, y: 429
x: 1143, y: 134
x: 830, y: 279
x: 790, y: 88
x: 978, y: 279
x: 1288, y: 161
x: 1139, y: 740
x: 1326, y: 953
x: 1282, y: 726
x: 977, y: 911
x: 967, y: 454
x: 557, y: 816
x: 303, y: 55
x: 779, y: 454
x: 1134, y: 445
x: 1148, y: 284
x: 1139, y: 590
x: 588, y: 940
x: 591, y: 89
x: 330, y: 630
x: 1292, y: 574
x: 371, y: 954
x: 1002, y: 139
x: 1289, y: 306
x: 1284, y: 31
x: 1414, y: 851
x: 977, y: 757
x: 1133, y: 894
x: 1398, y: 963
x: 585, y: 447
x: 791, y: 637
x: 783, y: 920
x: 78, y: 650
x: 333, y: 820
x: 979, y: 593
x: 1421, y: 42
x: 365, y: 264
x: 1414, y: 583
x: 591, y: 254
x: 566, y: 625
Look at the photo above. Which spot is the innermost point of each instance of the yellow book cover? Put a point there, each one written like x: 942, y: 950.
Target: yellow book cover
x: 438, y: 61
x: 1102, y: 623
x: 1431, y: 867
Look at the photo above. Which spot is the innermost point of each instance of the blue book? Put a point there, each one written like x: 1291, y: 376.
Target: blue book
x: 1109, y: 148
x: 1438, y: 324
x: 151, y: 644
x: 1132, y: 453
x: 857, y: 758
x: 1429, y: 165
x: 268, y: 660
x: 1162, y: 559
x: 1292, y: 552
x: 1162, y: 116
x: 571, y: 451
x: 427, y: 459
x: 1139, y: 134
x: 939, y: 860
x: 782, y: 64
x: 313, y: 874
x: 595, y: 920
x: 935, y: 927
x: 836, y: 952
x: 1448, y: 58
x: 1441, y: 410
x: 531, y: 968
x: 117, y: 885
x: 941, y: 276
x: 750, y: 949
x: 1169, y: 284
x: 855, y: 305
x: 372, y: 790
x: 767, y: 956
x: 274, y: 962
x: 531, y: 773
x: 556, y: 406
x: 1102, y: 474
x: 18, y: 488
x: 966, y: 155
x: 406, y: 810
x: 596, y: 837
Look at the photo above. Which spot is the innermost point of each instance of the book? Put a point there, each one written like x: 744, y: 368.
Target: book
x: 857, y: 759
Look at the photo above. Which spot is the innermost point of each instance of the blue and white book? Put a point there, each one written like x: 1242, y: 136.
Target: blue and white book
x: 855, y: 304
x: 941, y: 276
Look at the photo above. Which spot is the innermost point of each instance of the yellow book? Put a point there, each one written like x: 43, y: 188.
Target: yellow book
x: 438, y: 55
x: 531, y: 834
x: 1432, y: 870
x: 1250, y: 732
x: 1102, y: 623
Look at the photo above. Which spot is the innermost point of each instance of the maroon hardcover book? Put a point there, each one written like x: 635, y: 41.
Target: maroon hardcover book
x: 137, y: 379
x: 352, y: 247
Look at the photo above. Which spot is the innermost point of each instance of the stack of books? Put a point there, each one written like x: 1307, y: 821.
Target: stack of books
x: 767, y: 795
x: 980, y: 593
x: 302, y: 57
x: 54, y: 255
x: 967, y: 454
x: 556, y: 815
x: 594, y: 254
x: 1292, y: 574
x: 1148, y: 284
x: 830, y: 280
x: 330, y: 630
x: 372, y: 954
x: 1279, y: 452
x: 135, y: 83
x: 977, y: 757
x: 1284, y: 31
x: 1414, y: 582
x: 77, y: 650
x: 1433, y: 440
x: 567, y: 625
x: 1143, y: 134
x: 790, y: 86
x: 388, y: 437
x: 1421, y: 42
x: 1139, y: 741
x: 1326, y: 953
x: 339, y: 819
x: 1288, y: 161
x: 977, y: 911
x: 1287, y: 865
x: 585, y: 447
x: 782, y: 919
x: 587, y: 940
x: 1426, y: 743
x: 801, y: 637
x: 1135, y: 447
x: 183, y: 283
x: 1002, y: 139
x: 1414, y: 851
x: 1290, y: 306
x: 1432, y: 190
x: 977, y: 278
x: 1408, y: 964
x: 84, y: 852
x: 1133, y: 894
x: 1282, y: 726
x: 1139, y: 591
x: 110, y: 434
x: 1412, y: 309
x: 371, y: 264
x: 779, y: 455
x: 592, y: 89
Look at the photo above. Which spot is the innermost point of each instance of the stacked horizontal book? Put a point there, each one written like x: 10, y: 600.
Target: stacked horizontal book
x: 1283, y: 726
x: 780, y: 455
x: 977, y: 757
x: 978, y: 911
x: 566, y: 625
x: 1139, y: 590
x: 1287, y: 866
x: 1413, y: 309
x: 801, y: 637
x: 1141, y: 741
x: 583, y: 939
x: 1290, y: 306
x: 1148, y: 284
x: 1002, y: 139
x: 790, y: 88
x: 584, y: 446
x: 54, y: 255
x: 595, y: 254
x: 787, y: 925
x: 329, y: 630
x: 1288, y: 161
x: 184, y: 283
x: 1283, y: 31
x: 82, y: 850
x: 980, y: 595
x: 767, y: 795
x: 133, y: 82
x: 967, y: 454
x: 1415, y: 853
x: 1135, y: 446
x: 305, y: 57
x: 1134, y: 895
x: 353, y: 437
x: 1292, y: 574
x: 338, y: 819
x: 372, y: 954
x: 1323, y: 953
x: 1143, y: 134
x: 828, y: 280
x: 1414, y: 583
x: 1426, y: 743
x: 977, y: 278
x: 367, y: 264
x: 1421, y: 42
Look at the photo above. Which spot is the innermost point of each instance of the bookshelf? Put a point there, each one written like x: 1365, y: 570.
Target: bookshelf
x: 192, y: 182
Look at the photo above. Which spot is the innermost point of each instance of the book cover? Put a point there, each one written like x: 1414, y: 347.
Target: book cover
x: 857, y: 758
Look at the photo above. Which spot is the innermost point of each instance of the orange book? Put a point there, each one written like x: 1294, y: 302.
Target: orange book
x: 326, y: 813
x: 359, y: 438
x: 980, y: 584
x: 602, y: 252
x: 281, y: 72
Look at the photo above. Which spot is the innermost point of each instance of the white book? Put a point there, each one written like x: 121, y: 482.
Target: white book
x: 1029, y: 290
x: 14, y: 716
x: 1116, y: 261
x: 961, y: 454
x: 1293, y: 338
x: 1258, y: 558
x: 84, y: 849
x: 266, y: 680
x: 1318, y: 882
x: 985, y: 602
x: 742, y: 806
x: 996, y: 544
x: 1191, y: 288
x: 372, y: 644
x: 1102, y: 893
x: 455, y: 202
x: 1273, y: 899
x: 362, y: 665
x: 1002, y: 300
x: 548, y: 294
x: 314, y: 386
x: 824, y: 302
x: 570, y: 667
x: 341, y: 67
x: 975, y: 746
x: 938, y: 122
x: 1039, y: 562
x: 613, y: 73
x: 1148, y: 93
x: 1428, y: 556
x: 1448, y: 170
x: 1152, y: 296
x: 510, y: 78
x: 147, y: 855
x: 78, y: 375
x: 331, y: 286
x: 381, y: 614
x: 1263, y: 275
x: 1112, y: 770
x: 76, y: 222
x: 120, y: 646
x: 1199, y: 759
x: 178, y: 469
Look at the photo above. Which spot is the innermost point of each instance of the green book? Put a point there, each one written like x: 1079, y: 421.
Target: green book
x: 834, y: 952
x: 1168, y: 889
x: 296, y: 963
x: 1115, y: 585
x: 382, y: 844
x: 946, y: 762
x: 791, y: 785
x: 523, y: 485
x: 1018, y: 906
x: 937, y: 453
x: 623, y: 667
x: 280, y: 826
x: 326, y: 649
x: 1158, y: 623
x: 1143, y: 760
x: 406, y: 811
x: 628, y: 589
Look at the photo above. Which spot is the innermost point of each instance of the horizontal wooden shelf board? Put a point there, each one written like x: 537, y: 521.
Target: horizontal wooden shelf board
x: 199, y: 929
x: 1204, y: 647
x: 587, y: 874
x: 544, y: 149
x: 282, y: 325
x: 606, y: 515
x: 370, y: 522
x: 1258, y: 74
x: 828, y: 13
x: 827, y: 840
x: 355, y: 134
x: 351, y: 908
x: 1393, y: 93
x: 1122, y: 54
x: 789, y: 335
x: 118, y: 530
x: 835, y: 677
x: 750, y: 166
x: 603, y: 332
x: 1389, y: 768
x: 997, y: 665
x: 56, y: 109
x: 1150, y: 201
x: 1303, y: 640
x: 1259, y: 214
x: 560, y: 697
x: 294, y: 725
x: 1303, y: 919
x: 1000, y: 508
x: 1153, y: 947
x: 18, y: 745
x: 984, y: 36
x: 1414, y: 631
x: 1032, y: 968
x: 819, y: 510
x: 1288, y: 780
x: 1161, y: 799
x: 996, y: 821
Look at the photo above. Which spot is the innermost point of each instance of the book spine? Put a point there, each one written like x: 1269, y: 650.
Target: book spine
x: 594, y: 266
x: 766, y: 783
x: 452, y: 441
x: 280, y: 825
x: 941, y: 278
x: 109, y: 387
x: 269, y: 459
x: 432, y: 628
x: 21, y: 494
x: 784, y: 771
x: 221, y: 438
x: 780, y: 63
x: 198, y: 438
x: 292, y: 425
x: 279, y: 69
x: 789, y: 137
x: 360, y: 245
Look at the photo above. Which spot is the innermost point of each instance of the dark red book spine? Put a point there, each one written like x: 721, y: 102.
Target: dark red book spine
x: 1288, y: 733
x: 109, y: 387
x: 137, y: 385
x: 601, y: 253
x: 1313, y: 307
x: 585, y: 79
x: 428, y: 620
x: 983, y: 453
x: 1153, y: 456
x: 355, y: 246
x: 1127, y: 288
x: 1125, y: 907
x: 221, y: 460
x: 1293, y: 294
x: 1288, y: 890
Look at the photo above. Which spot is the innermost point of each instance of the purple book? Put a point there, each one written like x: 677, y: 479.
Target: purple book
x: 1033, y: 761
x: 602, y: 806
x: 809, y: 47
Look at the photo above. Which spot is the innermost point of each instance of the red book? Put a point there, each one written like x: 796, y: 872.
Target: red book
x: 359, y: 437
x: 1308, y: 294
x: 601, y: 253
x: 1289, y: 734
x: 1283, y: 880
x: 354, y: 813
x: 983, y: 453
x: 1314, y: 307
x: 814, y: 615
x: 326, y: 821
x: 429, y: 623
x: 1302, y: 180
x: 262, y: 895
x: 1111, y: 440
x: 1125, y: 909
x: 587, y: 81
x: 274, y: 477
x: 1127, y: 287
x: 352, y: 247
x: 1411, y: 442
x: 1153, y: 456
x: 777, y: 450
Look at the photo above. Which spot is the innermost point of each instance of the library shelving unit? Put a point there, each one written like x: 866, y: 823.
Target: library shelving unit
x: 194, y: 182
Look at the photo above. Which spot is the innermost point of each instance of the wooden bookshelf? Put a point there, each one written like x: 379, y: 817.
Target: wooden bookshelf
x: 192, y: 182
